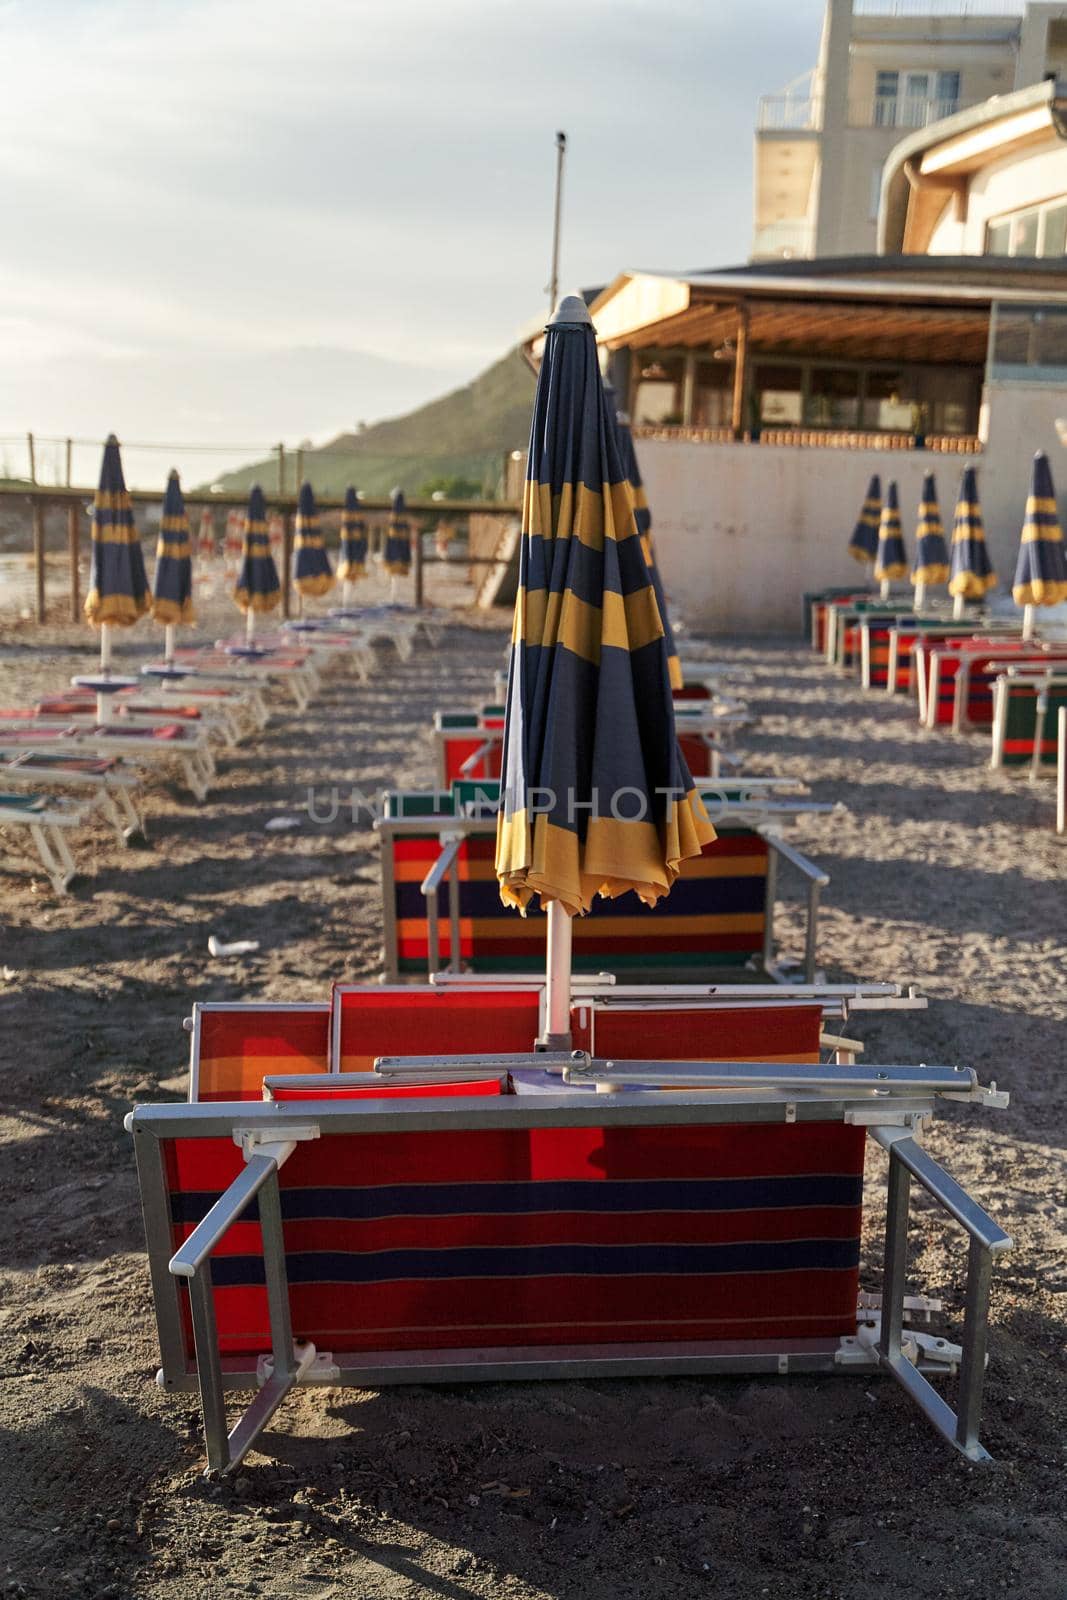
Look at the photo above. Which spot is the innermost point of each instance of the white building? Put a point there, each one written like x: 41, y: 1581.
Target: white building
x: 884, y: 66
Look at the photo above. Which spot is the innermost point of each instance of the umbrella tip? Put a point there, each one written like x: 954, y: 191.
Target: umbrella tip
x: 571, y: 312
x: 112, y: 438
x: 173, y: 473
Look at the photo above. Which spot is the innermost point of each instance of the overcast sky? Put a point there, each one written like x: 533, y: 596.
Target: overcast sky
x: 215, y: 210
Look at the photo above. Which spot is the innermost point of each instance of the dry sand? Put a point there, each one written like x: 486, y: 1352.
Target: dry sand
x: 940, y: 871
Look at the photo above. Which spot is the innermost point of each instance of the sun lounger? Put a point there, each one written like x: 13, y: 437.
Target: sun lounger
x: 957, y: 677
x: 510, y: 1224
x: 210, y: 709
x: 48, y: 819
x: 1061, y: 771
x: 249, y: 691
x: 441, y: 902
x: 1026, y: 706
x: 167, y: 744
x: 815, y: 606
x: 234, y: 1045
x: 104, y: 776
x: 468, y: 744
x: 290, y: 668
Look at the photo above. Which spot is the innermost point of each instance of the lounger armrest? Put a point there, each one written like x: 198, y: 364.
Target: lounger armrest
x: 908, y: 1160
x: 430, y: 888
x: 817, y: 881
x: 467, y: 767
x: 226, y: 1448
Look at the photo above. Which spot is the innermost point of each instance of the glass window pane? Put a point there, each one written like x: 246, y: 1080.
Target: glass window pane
x: 948, y: 93
x: 658, y: 395
x: 1024, y: 234
x: 889, y: 403
x: 833, y: 398
x: 713, y: 395
x: 998, y: 239
x: 778, y: 394
x: 885, y: 99
x: 1054, y: 231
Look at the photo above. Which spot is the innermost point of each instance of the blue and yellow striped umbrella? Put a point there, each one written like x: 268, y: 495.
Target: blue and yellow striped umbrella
x: 864, y: 541
x: 596, y: 798
x: 1041, y: 572
x: 931, y: 551
x: 118, y: 583
x: 353, y: 561
x: 643, y: 516
x: 172, y: 592
x: 890, y: 560
x: 971, y: 574
x: 397, y: 557
x: 312, y: 572
x: 258, y: 588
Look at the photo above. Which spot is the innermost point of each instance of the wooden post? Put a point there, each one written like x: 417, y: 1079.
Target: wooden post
x: 281, y: 469
x: 69, y: 460
x: 740, y: 372
x: 416, y: 562
x: 299, y: 469
x: 73, y: 540
x: 287, y: 564
x: 38, y: 555
x: 689, y: 388
x: 33, y: 458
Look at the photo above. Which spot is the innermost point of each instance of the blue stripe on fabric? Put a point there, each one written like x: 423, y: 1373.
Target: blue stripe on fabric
x: 258, y: 575
x: 572, y: 438
x: 546, y: 1261
x: 560, y: 564
x: 741, y: 896
x: 174, y: 579
x: 1042, y: 561
x: 312, y: 562
x: 609, y: 1196
x: 118, y: 569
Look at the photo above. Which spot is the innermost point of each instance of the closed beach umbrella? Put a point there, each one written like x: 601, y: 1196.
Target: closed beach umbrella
x: 971, y: 574
x: 172, y: 592
x: 643, y: 518
x: 397, y: 557
x: 931, y: 551
x: 258, y: 589
x: 312, y: 572
x: 353, y: 562
x: 118, y: 583
x: 1041, y: 571
x: 890, y: 560
x: 864, y: 541
x: 596, y: 797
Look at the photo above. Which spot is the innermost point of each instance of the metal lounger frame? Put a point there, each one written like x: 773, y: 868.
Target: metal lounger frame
x: 269, y: 1132
x: 453, y: 831
x: 48, y: 829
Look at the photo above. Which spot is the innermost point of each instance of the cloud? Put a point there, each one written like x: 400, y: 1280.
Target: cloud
x: 373, y: 175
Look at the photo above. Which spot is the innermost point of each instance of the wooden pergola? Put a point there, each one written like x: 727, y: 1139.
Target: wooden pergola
x: 848, y: 323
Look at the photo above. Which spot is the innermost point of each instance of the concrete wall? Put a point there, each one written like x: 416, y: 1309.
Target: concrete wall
x: 742, y: 530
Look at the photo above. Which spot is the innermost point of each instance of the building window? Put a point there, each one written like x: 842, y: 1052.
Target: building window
x: 1037, y: 231
x: 658, y: 394
x: 779, y: 392
x: 833, y: 397
x: 912, y: 99
x: 713, y: 394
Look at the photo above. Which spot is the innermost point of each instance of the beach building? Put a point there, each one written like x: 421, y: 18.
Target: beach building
x: 763, y: 398
x: 884, y: 67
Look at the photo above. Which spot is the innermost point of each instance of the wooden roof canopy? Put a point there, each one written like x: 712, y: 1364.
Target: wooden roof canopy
x: 872, y: 331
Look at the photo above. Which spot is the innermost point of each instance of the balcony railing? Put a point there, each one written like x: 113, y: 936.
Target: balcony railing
x: 938, y: 8
x: 903, y: 111
x: 788, y: 113
x: 814, y: 438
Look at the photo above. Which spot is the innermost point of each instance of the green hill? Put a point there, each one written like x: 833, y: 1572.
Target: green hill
x: 464, y: 434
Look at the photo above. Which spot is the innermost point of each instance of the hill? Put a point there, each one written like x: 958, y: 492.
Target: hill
x: 463, y: 434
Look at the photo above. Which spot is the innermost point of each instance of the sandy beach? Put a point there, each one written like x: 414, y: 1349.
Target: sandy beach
x: 941, y: 872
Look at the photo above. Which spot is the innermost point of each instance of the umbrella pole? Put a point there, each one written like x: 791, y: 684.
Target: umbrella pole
x: 883, y: 591
x: 1028, y: 622
x: 250, y: 625
x: 346, y: 593
x: 392, y: 589
x: 920, y: 596
x: 105, y: 670
x: 168, y: 643
x: 957, y: 607
x: 558, y: 975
